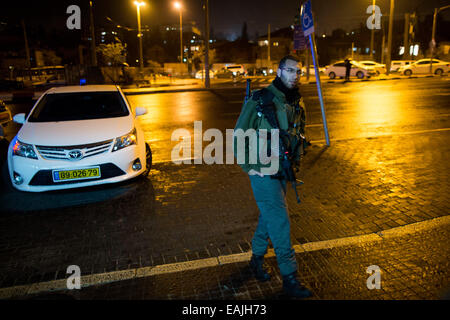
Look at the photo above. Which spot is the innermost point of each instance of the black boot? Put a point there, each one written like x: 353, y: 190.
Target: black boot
x: 293, y: 288
x: 256, y: 265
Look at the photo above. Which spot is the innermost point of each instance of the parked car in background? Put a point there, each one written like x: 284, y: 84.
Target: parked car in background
x: 201, y: 74
x: 396, y: 64
x: 312, y: 71
x: 378, y: 68
x: 337, y: 69
x: 236, y: 69
x: 78, y: 136
x: 422, y: 66
x: 5, y: 118
x: 223, y: 73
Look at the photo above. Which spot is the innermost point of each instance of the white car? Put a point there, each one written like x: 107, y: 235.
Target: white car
x: 78, y: 136
x: 396, y: 64
x: 422, y: 66
x: 201, y: 74
x: 378, y: 68
x: 337, y: 69
x: 236, y: 69
x: 312, y: 71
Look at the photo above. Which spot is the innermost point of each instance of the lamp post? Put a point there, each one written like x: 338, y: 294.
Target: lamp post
x: 178, y: 6
x: 389, y: 44
x: 372, y: 33
x: 138, y: 6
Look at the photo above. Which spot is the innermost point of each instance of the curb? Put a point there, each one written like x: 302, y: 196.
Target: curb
x: 109, y: 277
x: 8, y: 97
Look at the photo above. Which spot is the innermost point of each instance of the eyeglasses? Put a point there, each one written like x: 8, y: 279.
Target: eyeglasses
x: 292, y: 71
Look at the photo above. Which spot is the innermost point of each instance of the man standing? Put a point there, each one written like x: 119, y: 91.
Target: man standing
x: 348, y: 66
x: 284, y: 99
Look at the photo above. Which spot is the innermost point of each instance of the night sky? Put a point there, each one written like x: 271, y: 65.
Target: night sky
x: 226, y: 16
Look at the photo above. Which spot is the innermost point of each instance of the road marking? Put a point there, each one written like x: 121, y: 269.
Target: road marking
x: 383, y: 135
x: 108, y: 277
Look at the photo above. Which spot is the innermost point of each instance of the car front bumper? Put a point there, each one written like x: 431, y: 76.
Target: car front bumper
x: 37, y: 174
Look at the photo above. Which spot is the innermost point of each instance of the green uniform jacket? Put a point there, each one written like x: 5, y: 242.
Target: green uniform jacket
x: 288, y: 119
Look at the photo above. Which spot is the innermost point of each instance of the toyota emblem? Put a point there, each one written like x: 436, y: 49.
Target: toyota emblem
x: 75, y: 155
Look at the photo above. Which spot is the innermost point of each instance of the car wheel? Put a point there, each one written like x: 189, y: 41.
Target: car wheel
x: 438, y: 72
x: 407, y: 73
x: 360, y: 74
x: 332, y: 75
x: 148, y: 160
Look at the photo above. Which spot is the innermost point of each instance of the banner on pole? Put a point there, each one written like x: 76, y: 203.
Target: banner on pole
x: 300, y: 42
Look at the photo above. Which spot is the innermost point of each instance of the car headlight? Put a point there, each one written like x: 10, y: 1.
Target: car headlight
x: 24, y: 150
x: 125, y: 140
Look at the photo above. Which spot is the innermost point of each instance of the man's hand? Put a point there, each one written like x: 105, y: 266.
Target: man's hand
x: 253, y: 172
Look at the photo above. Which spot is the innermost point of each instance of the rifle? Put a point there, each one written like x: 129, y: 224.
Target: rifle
x: 247, y: 91
x: 265, y: 107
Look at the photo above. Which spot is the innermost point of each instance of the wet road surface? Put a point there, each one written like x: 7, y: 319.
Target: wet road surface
x: 188, y: 212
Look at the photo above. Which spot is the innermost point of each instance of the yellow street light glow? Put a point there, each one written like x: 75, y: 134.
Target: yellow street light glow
x: 177, y: 5
x: 139, y: 3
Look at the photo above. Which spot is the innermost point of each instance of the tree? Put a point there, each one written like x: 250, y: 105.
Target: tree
x: 113, y: 54
x: 244, y: 34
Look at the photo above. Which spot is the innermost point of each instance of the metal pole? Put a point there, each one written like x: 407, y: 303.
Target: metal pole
x: 372, y: 34
x: 319, y: 86
x: 181, y: 37
x: 268, y: 47
x: 433, y: 42
x: 27, y: 49
x: 93, y: 53
x: 406, y: 37
x: 391, y: 23
x: 141, y: 59
x: 433, y: 33
x: 207, y: 83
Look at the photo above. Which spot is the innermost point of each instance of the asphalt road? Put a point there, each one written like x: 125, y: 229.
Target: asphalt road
x: 172, y: 215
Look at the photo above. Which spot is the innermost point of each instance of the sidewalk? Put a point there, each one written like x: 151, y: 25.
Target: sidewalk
x: 413, y: 263
x: 357, y: 188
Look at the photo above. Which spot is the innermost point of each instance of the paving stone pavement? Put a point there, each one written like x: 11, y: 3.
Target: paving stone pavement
x: 412, y: 266
x: 191, y: 212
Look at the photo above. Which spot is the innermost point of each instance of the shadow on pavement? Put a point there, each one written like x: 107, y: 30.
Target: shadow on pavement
x: 12, y: 200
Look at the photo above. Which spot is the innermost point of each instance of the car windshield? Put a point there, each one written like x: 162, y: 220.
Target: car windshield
x: 79, y: 106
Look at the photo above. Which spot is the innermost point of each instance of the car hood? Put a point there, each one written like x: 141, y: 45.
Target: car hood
x: 66, y: 133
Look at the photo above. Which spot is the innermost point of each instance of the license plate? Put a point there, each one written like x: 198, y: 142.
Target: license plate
x: 78, y: 174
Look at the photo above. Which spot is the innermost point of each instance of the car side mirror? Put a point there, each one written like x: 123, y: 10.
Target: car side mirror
x: 140, y: 111
x: 19, y: 118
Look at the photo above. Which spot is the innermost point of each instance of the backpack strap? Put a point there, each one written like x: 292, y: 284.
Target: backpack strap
x: 266, y: 106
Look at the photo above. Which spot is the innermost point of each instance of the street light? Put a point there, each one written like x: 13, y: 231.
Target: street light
x: 138, y: 6
x: 177, y: 5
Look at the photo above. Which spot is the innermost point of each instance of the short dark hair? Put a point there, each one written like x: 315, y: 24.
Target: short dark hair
x: 288, y: 57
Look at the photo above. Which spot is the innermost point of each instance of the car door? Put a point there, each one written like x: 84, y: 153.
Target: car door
x: 436, y: 65
x: 339, y: 69
x: 421, y: 67
x: 355, y: 68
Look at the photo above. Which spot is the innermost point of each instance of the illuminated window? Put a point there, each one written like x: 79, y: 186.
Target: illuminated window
x: 275, y: 44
